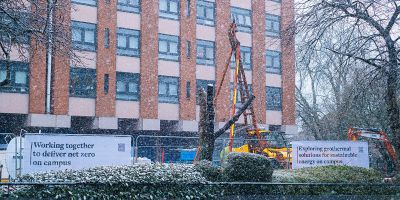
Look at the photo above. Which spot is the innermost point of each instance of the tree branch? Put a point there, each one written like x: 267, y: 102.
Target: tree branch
x: 234, y: 117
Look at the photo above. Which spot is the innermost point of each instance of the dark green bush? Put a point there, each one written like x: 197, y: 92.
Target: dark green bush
x: 333, y: 174
x: 247, y: 167
x: 150, y: 181
x: 206, y: 168
x: 328, y: 174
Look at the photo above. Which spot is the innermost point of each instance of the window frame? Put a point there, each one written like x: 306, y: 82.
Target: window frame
x: 82, y: 45
x: 168, y: 14
x: 274, y: 106
x: 13, y: 87
x: 94, y: 4
x: 167, y: 98
x: 204, y: 44
x: 238, y: 103
x: 127, y: 78
x: 200, y: 83
x: 125, y: 7
x: 273, y: 69
x: 168, y: 55
x: 21, y: 37
x: 235, y: 11
x: 243, y: 51
x: 82, y: 92
x: 127, y: 51
x: 203, y: 20
x: 273, y: 33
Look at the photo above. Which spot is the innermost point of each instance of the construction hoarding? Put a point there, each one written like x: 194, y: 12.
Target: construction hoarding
x: 46, y: 152
x: 322, y: 153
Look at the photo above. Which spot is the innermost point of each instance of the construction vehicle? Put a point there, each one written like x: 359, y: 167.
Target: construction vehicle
x: 381, y: 141
x: 257, y: 140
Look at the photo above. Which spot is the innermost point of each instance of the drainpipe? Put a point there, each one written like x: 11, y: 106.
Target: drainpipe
x: 49, y: 54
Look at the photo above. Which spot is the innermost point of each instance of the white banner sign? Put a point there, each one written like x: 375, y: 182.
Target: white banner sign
x: 322, y: 153
x: 44, y: 152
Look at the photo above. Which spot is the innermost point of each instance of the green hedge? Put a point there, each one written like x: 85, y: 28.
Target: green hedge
x: 155, y: 181
x: 152, y: 181
x: 328, y: 174
x: 247, y: 167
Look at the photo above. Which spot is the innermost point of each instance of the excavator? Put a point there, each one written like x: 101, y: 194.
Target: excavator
x: 377, y: 137
x: 257, y: 140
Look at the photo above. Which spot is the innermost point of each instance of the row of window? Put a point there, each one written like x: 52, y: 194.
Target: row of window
x: 83, y: 84
x: 128, y: 44
x: 205, y: 13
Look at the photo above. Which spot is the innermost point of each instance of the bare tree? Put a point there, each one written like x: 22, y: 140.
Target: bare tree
x: 22, y: 21
x: 207, y: 136
x: 373, y: 33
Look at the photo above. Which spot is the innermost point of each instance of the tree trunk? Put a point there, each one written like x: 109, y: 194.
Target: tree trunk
x: 206, y: 127
x: 207, y: 136
x: 393, y: 106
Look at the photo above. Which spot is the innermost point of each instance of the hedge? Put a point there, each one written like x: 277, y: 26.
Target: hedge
x: 247, y: 167
x: 150, y: 181
x: 172, y: 181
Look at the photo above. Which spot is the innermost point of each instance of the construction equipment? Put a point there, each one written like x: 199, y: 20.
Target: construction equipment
x: 373, y: 134
x: 256, y: 138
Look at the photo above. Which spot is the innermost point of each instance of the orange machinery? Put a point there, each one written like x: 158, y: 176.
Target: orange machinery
x: 355, y: 133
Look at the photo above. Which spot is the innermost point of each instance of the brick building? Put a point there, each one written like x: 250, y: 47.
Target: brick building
x: 142, y: 62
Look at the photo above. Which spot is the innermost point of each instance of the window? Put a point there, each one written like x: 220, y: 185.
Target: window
x: 188, y: 8
x: 239, y: 90
x: 86, y: 2
x: 9, y: 30
x: 188, y: 46
x: 84, y: 36
x: 129, y: 6
x: 245, y: 54
x: 274, y: 98
x: 242, y: 18
x: 202, y: 84
x: 82, y: 82
x: 273, y: 25
x: 106, y: 37
x: 279, y: 1
x: 205, y: 52
x: 168, y: 47
x: 168, y: 89
x: 273, y: 62
x: 205, y: 13
x: 128, y: 86
x: 128, y: 42
x: 169, y: 9
x: 19, y: 79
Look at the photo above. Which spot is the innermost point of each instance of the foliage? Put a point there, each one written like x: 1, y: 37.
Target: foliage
x: 334, y: 176
x: 328, y: 174
x: 156, y: 181
x: 206, y: 168
x: 153, y: 181
x: 247, y: 167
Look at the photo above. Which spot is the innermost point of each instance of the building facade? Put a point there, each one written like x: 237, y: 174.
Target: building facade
x: 141, y: 63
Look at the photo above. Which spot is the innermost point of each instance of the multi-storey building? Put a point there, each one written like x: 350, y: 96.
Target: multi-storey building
x: 142, y: 62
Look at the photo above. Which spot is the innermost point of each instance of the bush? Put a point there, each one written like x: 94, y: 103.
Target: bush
x: 247, y: 167
x: 147, y: 181
x: 333, y: 174
x: 328, y: 174
x: 207, y: 169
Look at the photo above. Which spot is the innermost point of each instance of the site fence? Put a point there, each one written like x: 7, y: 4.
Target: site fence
x: 145, y: 148
x: 10, y: 159
x: 180, y: 149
